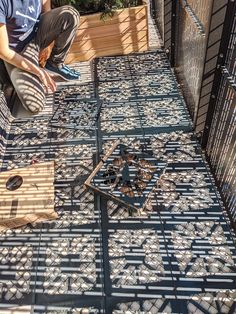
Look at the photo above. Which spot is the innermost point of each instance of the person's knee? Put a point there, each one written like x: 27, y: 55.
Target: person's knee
x: 34, y: 110
x: 29, y: 90
x: 24, y: 109
x: 71, y: 15
x: 33, y: 105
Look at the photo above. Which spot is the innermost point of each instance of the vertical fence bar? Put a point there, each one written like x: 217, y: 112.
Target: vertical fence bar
x: 225, y: 38
x: 221, y: 136
x: 162, y: 14
x: 192, y: 26
x: 200, y: 37
x: 173, y: 32
x: 215, y: 33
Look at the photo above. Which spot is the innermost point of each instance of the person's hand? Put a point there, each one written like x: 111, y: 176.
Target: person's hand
x: 47, y: 81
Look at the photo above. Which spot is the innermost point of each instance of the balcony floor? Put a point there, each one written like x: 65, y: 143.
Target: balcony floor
x: 176, y: 257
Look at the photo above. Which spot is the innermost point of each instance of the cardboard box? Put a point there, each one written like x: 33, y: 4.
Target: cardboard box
x: 32, y: 201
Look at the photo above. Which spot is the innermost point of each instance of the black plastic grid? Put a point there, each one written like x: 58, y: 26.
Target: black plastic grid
x: 195, y: 247
x: 93, y: 305
x: 33, y: 132
x: 120, y: 118
x: 128, y: 175
x: 74, y: 91
x: 185, y: 266
x: 69, y: 265
x: 18, y: 158
x: 18, y: 265
x: 198, y: 303
x: 135, y: 261
x: 149, y: 87
x: 139, y: 95
x: 144, y: 116
x: 66, y: 253
x: 125, y: 67
x: 76, y: 114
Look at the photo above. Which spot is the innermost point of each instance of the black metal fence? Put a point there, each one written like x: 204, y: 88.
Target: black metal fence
x: 221, y: 144
x: 200, y: 36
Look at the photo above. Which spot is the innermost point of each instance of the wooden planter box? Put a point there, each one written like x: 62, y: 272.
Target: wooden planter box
x: 125, y: 32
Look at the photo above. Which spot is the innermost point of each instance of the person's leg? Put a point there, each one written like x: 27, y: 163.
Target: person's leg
x: 28, y: 86
x: 6, y: 84
x: 58, y: 25
x: 4, y: 77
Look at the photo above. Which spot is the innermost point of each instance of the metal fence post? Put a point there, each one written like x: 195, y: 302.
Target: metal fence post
x: 173, y: 32
x: 229, y: 18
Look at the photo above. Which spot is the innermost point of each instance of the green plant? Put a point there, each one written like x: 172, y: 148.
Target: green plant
x: 93, y: 6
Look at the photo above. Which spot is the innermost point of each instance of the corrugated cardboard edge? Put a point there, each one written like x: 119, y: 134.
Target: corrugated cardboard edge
x: 13, y: 309
x: 24, y: 220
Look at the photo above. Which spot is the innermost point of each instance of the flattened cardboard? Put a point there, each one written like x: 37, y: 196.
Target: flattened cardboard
x: 33, y: 201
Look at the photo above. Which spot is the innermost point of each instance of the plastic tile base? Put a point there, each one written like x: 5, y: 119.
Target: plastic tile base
x: 127, y: 176
x: 109, y: 255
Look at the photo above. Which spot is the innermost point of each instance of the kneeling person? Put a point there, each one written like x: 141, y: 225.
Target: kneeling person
x: 26, y: 27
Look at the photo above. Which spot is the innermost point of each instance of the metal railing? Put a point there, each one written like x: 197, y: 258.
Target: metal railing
x: 200, y: 36
x: 221, y: 133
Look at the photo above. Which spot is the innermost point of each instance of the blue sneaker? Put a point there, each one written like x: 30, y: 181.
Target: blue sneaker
x: 63, y: 71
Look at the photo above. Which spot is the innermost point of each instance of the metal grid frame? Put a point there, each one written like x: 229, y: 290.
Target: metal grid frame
x: 164, y: 13
x: 210, y: 92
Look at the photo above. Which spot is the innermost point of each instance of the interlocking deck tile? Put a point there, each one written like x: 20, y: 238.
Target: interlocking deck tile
x: 177, y: 256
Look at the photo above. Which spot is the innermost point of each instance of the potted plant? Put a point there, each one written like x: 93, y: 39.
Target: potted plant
x: 112, y: 27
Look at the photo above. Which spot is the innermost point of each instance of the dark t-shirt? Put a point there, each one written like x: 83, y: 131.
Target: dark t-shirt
x: 20, y: 17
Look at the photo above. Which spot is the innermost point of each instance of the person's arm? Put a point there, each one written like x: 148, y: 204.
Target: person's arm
x: 46, y: 5
x: 10, y: 56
